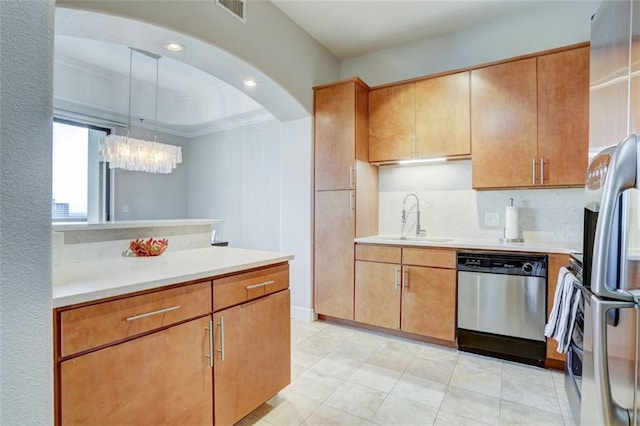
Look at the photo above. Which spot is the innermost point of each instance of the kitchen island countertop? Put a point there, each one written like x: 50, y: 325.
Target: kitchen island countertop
x: 89, y: 281
x: 473, y: 244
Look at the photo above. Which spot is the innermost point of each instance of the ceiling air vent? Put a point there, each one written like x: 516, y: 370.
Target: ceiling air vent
x: 234, y: 7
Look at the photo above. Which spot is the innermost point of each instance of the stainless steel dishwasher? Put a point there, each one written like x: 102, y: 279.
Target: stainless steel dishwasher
x: 502, y: 305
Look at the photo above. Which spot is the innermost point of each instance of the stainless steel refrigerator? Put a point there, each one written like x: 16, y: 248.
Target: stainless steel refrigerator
x: 609, y: 389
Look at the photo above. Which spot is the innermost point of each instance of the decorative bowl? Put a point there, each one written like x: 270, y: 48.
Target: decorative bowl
x: 150, y: 247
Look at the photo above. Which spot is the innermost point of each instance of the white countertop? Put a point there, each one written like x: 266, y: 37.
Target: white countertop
x: 473, y: 244
x: 87, y: 281
x: 128, y: 224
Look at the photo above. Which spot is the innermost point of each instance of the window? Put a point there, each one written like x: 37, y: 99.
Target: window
x: 80, y: 178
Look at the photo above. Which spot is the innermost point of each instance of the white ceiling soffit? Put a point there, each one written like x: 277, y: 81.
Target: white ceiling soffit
x: 350, y: 28
x: 205, y: 58
x: 92, y: 76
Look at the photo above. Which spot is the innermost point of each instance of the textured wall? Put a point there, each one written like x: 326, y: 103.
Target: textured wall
x: 26, y: 90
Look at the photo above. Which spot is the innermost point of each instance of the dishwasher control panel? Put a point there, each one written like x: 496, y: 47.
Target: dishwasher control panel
x: 503, y: 263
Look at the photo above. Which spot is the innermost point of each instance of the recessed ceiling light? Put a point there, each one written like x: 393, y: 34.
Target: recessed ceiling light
x: 250, y: 82
x: 174, y: 47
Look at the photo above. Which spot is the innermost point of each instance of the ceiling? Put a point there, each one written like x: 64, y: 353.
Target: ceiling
x: 350, y: 28
x: 192, y: 101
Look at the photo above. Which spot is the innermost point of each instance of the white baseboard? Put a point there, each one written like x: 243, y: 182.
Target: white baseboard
x: 303, y: 314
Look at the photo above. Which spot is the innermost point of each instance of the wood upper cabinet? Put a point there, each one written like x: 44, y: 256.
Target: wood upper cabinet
x: 161, y: 378
x: 443, y: 116
x: 340, y: 133
x: 392, y: 123
x: 529, y: 121
x: 504, y: 124
x: 427, y: 118
x: 563, y: 117
x: 409, y: 297
x: 253, y: 355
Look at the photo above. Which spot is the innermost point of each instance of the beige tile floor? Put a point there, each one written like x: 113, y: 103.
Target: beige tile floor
x: 343, y: 375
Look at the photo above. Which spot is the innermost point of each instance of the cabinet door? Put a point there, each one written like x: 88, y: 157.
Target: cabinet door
x: 378, y: 294
x: 443, y: 125
x: 334, y: 138
x: 161, y: 378
x: 253, y: 355
x: 333, y: 255
x: 556, y: 261
x: 563, y: 117
x: 429, y: 302
x: 391, y: 123
x: 504, y: 124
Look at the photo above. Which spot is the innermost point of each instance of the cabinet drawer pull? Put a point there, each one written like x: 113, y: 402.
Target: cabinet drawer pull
x: 150, y: 314
x: 251, y: 287
x: 541, y: 171
x: 533, y: 170
x: 210, y: 356
x: 221, y: 350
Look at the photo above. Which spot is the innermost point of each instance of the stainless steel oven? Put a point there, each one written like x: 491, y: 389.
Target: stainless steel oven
x: 502, y: 305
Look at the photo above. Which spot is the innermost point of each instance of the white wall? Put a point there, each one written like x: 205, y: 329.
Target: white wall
x: 295, y: 211
x: 235, y: 175
x: 550, y: 25
x: 26, y: 91
x: 451, y: 208
x: 149, y: 195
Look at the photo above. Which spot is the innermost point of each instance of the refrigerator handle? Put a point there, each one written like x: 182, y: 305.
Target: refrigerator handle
x: 620, y: 177
x: 612, y: 412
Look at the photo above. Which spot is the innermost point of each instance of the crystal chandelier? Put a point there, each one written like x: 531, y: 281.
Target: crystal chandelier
x: 140, y: 155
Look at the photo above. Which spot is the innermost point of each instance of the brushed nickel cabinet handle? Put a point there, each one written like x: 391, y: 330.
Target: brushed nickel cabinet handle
x: 397, y: 280
x: 251, y: 287
x: 152, y: 313
x: 221, y: 350
x: 210, y: 356
x: 405, y: 278
x: 352, y: 207
x: 352, y: 179
x: 417, y: 146
x: 533, y: 170
x: 541, y: 171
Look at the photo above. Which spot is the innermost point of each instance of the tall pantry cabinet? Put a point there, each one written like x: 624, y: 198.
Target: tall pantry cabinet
x: 346, y: 192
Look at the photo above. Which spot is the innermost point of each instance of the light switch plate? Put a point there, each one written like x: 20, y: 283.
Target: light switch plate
x: 125, y: 208
x: 492, y: 219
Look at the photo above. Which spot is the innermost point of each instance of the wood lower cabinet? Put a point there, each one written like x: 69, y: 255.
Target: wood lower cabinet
x: 377, y: 299
x: 556, y: 261
x: 333, y: 266
x: 253, y: 355
x: 160, y: 378
x: 429, y: 302
x: 417, y: 296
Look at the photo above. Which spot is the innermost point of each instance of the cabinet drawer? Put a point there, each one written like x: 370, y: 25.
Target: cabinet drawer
x: 437, y: 258
x: 373, y: 253
x: 95, y: 325
x: 239, y: 288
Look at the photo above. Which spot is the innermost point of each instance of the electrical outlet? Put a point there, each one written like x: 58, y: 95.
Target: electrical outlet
x: 125, y: 208
x: 492, y: 219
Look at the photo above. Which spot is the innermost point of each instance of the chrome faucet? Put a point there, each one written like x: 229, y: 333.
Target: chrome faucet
x: 404, y: 212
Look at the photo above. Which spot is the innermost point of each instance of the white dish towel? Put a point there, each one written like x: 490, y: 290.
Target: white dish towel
x: 565, y: 306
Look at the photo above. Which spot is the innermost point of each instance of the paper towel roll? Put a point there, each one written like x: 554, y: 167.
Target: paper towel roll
x: 511, y: 228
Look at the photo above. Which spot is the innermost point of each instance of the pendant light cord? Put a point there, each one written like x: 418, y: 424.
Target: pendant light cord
x: 155, y: 130
x: 130, y: 79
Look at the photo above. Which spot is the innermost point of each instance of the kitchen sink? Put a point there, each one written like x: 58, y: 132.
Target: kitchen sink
x: 412, y: 238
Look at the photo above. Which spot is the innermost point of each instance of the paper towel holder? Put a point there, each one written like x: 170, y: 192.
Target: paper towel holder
x: 504, y: 238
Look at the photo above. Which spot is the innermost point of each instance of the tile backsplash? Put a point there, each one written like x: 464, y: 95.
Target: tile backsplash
x: 449, y: 207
